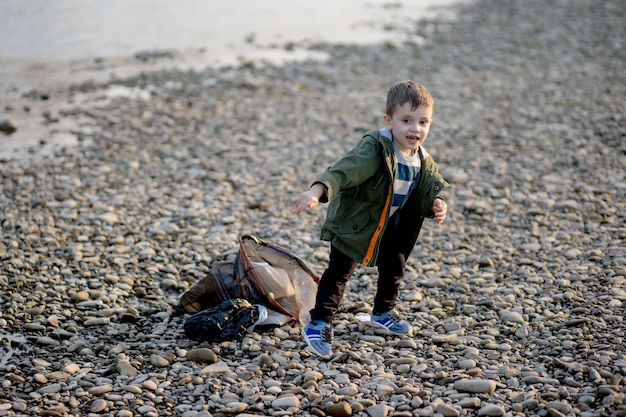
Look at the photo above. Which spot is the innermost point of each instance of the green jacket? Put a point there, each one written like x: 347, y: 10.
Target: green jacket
x: 360, y: 189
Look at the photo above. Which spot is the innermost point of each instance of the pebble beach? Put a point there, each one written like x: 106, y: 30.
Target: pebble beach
x: 517, y: 300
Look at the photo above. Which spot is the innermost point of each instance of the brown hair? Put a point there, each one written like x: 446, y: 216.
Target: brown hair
x: 408, y: 91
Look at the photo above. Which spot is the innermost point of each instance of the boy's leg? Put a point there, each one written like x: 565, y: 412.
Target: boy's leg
x: 332, y: 285
x: 318, y: 334
x: 391, y: 265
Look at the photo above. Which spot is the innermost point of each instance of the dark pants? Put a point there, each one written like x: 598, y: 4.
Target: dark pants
x: 390, y: 263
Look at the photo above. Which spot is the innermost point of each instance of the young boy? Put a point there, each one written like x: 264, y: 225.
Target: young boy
x: 379, y: 193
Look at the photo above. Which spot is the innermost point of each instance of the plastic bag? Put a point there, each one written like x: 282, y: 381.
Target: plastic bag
x: 229, y: 320
x: 262, y: 273
x: 275, y: 280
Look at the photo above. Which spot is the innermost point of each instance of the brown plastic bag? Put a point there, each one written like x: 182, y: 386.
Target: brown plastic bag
x: 253, y: 276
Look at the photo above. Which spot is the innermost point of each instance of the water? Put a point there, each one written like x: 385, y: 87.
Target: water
x: 70, y: 29
x: 49, y: 44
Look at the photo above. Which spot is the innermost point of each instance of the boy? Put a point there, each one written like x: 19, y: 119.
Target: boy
x: 379, y: 193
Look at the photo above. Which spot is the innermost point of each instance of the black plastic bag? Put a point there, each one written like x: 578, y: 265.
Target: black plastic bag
x: 226, y: 321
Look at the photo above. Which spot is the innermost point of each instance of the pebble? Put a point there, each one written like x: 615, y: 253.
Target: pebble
x: 158, y: 361
x: 378, y: 410
x: 202, y: 355
x: 475, y: 385
x: 100, y: 389
x: 98, y: 405
x: 516, y: 300
x: 448, y: 411
x: 286, y: 402
x: 125, y: 368
x: 491, y: 410
x: 8, y: 126
x: 340, y: 409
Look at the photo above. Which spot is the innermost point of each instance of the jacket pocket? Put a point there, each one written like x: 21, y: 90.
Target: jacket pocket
x: 354, y: 224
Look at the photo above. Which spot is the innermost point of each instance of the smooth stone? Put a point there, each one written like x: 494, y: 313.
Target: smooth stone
x: 126, y: 369
x: 475, y: 385
x: 466, y: 363
x: 357, y: 407
x: 573, y: 253
x: 512, y: 317
x: 158, y: 361
x: 40, y: 378
x: 19, y: 406
x: 404, y: 368
x: 407, y: 343
x: 134, y: 389
x: 58, y: 375
x: 563, y: 407
x: 340, y: 409
x: 48, y: 341
x: 383, y: 390
x: 378, y: 410
x: 447, y: 410
x: 100, y: 389
x: 216, y: 368
x: 99, y: 321
x: 149, y: 385
x: 50, y: 389
x: 491, y: 410
x: 313, y: 376
x: 145, y: 409
x: 533, y: 379
x: 8, y: 126
x: 236, y: 407
x: 469, y: 402
x: 203, y: 355
x: 287, y: 401
x: 274, y: 390
x: 71, y: 368
x: 444, y: 338
x: 57, y: 410
x: 98, y: 405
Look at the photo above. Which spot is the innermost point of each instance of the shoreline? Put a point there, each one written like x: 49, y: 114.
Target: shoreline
x: 33, y: 88
x: 517, y: 301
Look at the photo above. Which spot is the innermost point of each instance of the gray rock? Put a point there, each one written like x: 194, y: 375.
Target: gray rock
x: 8, y: 126
x: 202, y: 355
x: 475, y: 385
x: 491, y: 410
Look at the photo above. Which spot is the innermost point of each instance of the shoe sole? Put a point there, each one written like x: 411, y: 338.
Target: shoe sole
x: 311, y: 349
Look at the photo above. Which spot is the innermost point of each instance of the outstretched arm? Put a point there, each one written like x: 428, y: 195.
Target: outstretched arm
x: 310, y: 198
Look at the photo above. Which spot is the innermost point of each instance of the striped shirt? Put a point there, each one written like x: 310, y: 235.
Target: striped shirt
x: 407, y: 173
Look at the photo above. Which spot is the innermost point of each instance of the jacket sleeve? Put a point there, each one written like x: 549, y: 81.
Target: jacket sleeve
x: 434, y: 187
x: 355, y: 167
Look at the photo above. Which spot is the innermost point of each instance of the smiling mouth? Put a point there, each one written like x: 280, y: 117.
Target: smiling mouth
x: 415, y: 138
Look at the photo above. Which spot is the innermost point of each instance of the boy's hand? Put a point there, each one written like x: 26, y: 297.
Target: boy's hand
x: 310, y: 198
x: 440, y: 208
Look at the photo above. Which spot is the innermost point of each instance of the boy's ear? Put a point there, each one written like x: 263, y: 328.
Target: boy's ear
x: 387, y: 119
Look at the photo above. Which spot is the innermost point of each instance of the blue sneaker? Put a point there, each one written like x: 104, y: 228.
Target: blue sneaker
x: 319, y: 336
x: 391, y: 322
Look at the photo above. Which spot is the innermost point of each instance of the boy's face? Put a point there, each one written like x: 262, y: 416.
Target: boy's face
x: 409, y: 127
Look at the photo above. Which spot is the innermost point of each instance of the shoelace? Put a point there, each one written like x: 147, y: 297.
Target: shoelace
x: 395, y: 316
x: 327, y: 334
